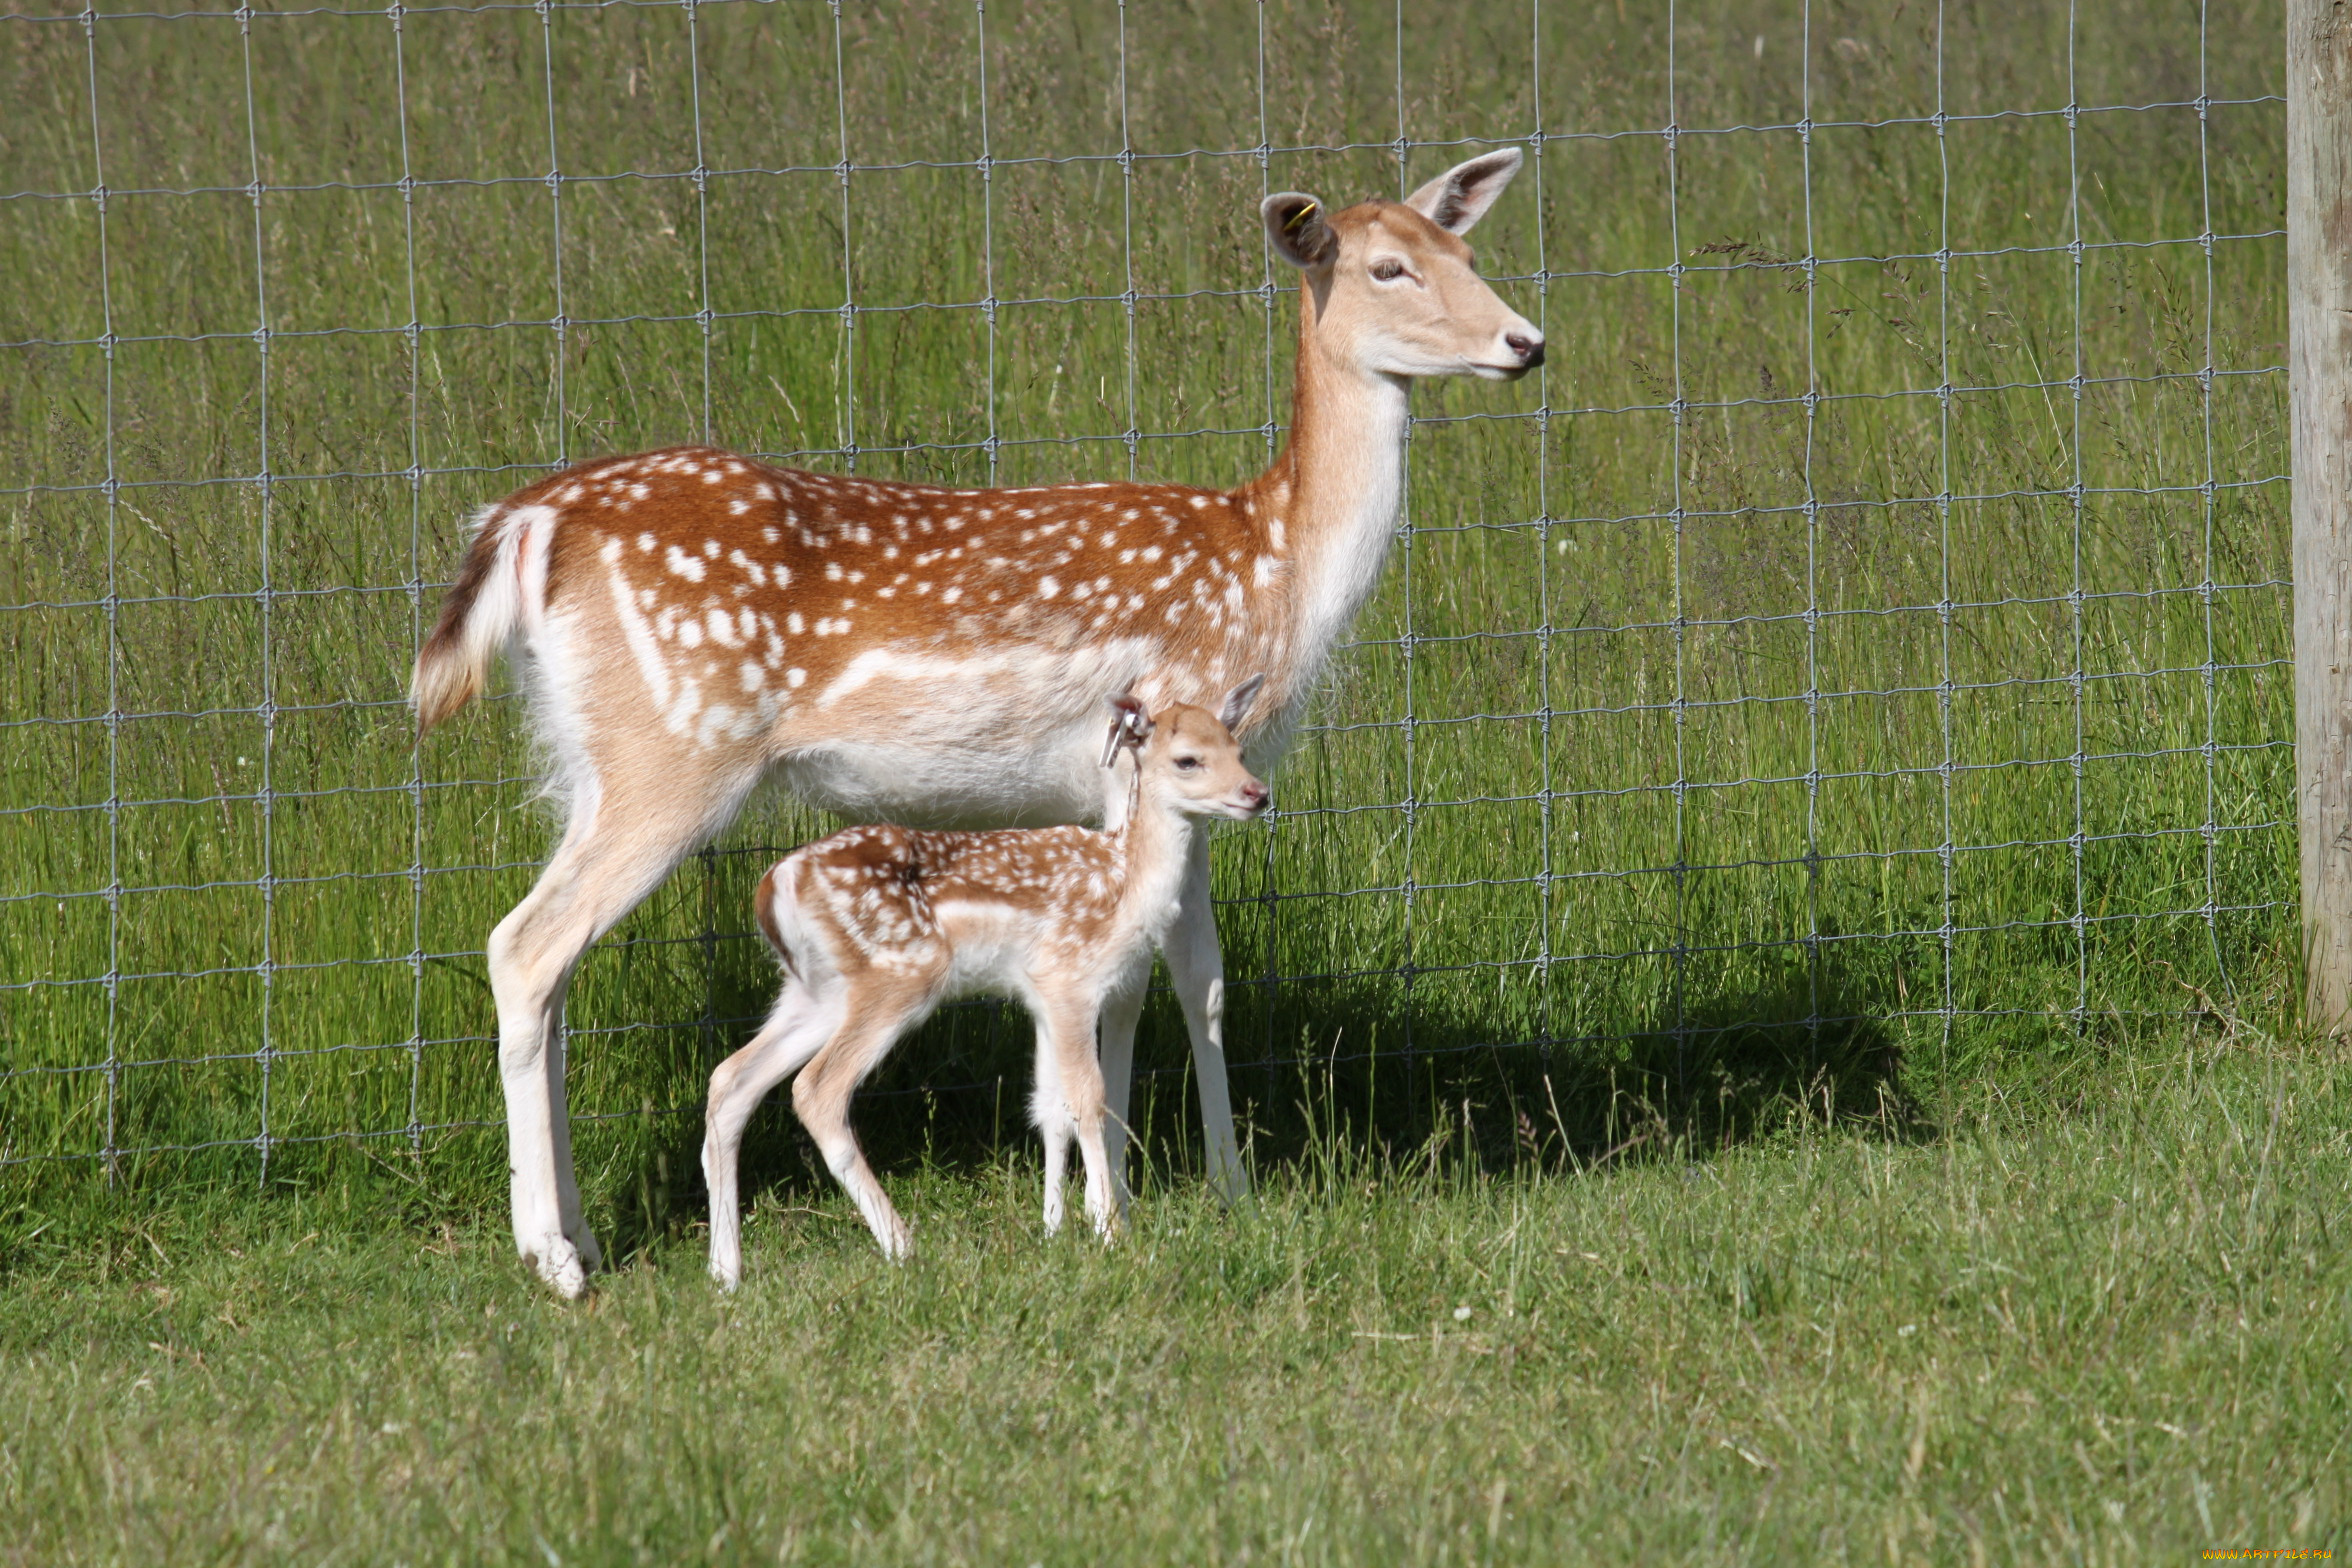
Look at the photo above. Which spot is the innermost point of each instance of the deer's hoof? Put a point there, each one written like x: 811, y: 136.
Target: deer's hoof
x: 558, y: 1262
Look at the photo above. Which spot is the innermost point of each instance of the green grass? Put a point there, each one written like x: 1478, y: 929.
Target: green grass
x: 1689, y: 734
x: 2103, y: 1319
x: 1758, y: 942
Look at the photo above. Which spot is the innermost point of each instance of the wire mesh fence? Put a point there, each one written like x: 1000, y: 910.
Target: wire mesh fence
x: 1860, y: 651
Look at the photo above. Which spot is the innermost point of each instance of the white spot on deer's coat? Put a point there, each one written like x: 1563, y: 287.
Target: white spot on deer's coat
x: 683, y: 565
x: 795, y: 678
x: 1047, y: 587
x: 645, y: 543
x: 639, y: 637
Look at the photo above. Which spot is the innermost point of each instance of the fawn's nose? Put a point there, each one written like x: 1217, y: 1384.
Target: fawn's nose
x: 1254, y: 795
x: 1529, y: 346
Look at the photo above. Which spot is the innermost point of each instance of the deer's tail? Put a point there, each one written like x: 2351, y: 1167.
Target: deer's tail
x: 495, y: 598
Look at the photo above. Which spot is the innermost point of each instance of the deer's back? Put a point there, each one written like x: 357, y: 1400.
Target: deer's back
x: 901, y: 650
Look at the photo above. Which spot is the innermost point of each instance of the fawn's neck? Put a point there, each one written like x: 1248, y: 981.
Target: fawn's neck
x: 1154, y: 842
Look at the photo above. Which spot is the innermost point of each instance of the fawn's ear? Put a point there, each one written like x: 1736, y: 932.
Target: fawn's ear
x: 1130, y: 726
x: 1295, y: 228
x: 1460, y: 196
x: 1237, y: 702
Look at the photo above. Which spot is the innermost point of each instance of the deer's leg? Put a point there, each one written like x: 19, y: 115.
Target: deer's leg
x: 800, y: 1025
x: 1121, y: 1010
x: 1051, y: 1115
x: 616, y: 850
x: 1196, y: 967
x: 1070, y: 1026
x: 876, y: 1013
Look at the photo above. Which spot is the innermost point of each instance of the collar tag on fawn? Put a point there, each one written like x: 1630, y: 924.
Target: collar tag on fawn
x: 1129, y: 728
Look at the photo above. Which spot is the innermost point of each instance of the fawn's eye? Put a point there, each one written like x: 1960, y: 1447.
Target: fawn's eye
x: 1187, y: 764
x: 1388, y: 267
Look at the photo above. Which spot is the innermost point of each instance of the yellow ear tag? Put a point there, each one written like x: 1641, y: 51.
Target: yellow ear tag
x: 1299, y: 217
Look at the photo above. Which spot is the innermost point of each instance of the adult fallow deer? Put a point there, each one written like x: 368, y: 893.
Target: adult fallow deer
x: 688, y: 622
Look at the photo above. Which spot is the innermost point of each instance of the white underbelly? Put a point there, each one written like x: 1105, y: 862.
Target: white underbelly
x: 959, y: 742
x: 971, y: 785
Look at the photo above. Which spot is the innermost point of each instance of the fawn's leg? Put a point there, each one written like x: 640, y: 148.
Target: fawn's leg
x: 798, y: 1028
x: 1051, y: 1116
x: 1120, y: 1012
x: 876, y: 1012
x: 1071, y: 1027
x: 1196, y: 967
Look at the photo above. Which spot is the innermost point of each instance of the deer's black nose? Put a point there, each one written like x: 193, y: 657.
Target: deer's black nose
x: 1530, y: 350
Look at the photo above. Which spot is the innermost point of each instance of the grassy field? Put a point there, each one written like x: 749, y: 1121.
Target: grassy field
x: 1755, y: 761
x: 1766, y: 1017
x: 1792, y: 747
x: 2101, y: 1319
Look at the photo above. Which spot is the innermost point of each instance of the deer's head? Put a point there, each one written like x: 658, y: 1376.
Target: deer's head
x: 1392, y: 288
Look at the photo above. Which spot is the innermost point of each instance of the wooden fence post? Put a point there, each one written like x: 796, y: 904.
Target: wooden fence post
x: 2319, y: 381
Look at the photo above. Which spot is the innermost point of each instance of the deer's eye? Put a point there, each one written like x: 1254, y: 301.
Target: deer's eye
x: 1187, y: 764
x: 1387, y: 268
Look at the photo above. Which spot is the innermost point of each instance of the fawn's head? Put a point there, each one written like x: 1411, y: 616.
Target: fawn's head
x: 1391, y: 284
x: 1187, y: 757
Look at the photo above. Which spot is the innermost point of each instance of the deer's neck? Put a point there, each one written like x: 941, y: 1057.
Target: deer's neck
x: 1338, y: 489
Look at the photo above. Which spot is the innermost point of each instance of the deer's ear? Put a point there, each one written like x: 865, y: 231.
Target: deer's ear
x: 1236, y: 705
x: 1459, y: 197
x: 1296, y: 230
x: 1130, y: 725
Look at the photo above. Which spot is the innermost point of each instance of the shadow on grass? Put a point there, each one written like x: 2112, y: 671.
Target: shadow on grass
x: 1794, y: 1049
x: 1359, y: 1069
x: 1381, y: 1071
